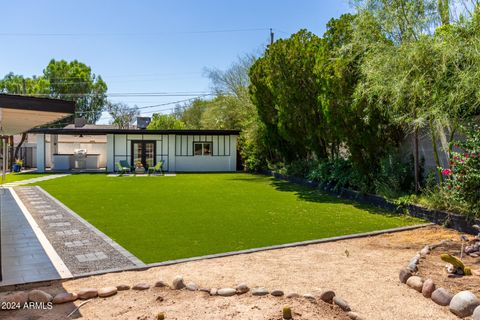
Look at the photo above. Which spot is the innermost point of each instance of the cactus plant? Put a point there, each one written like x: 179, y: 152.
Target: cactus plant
x: 287, y: 313
x: 456, y: 263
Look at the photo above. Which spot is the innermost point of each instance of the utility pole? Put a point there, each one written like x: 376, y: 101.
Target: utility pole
x: 272, y: 36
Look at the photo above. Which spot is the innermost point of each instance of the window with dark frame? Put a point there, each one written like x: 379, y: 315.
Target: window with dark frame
x: 202, y: 148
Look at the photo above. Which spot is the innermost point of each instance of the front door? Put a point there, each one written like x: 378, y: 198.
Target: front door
x: 143, y: 152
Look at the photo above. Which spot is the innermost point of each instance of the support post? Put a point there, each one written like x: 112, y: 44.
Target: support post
x: 41, y: 152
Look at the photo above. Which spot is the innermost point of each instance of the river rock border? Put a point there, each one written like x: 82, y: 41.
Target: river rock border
x: 462, y: 304
x: 18, y: 299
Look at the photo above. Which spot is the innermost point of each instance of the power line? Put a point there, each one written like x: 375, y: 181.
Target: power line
x: 125, y: 94
x: 127, y: 34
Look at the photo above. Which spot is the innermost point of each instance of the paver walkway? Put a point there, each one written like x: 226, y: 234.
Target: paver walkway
x: 82, y: 247
x: 33, y: 180
x: 23, y: 257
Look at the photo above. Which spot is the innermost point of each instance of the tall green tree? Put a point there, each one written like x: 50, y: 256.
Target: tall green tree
x: 165, y: 122
x: 75, y: 81
x: 123, y: 115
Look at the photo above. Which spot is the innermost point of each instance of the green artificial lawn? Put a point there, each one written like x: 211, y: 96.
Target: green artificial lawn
x: 162, y: 218
x: 17, y: 176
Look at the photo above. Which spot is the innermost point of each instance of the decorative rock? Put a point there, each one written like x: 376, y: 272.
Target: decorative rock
x: 87, y: 293
x: 39, y: 296
x: 442, y: 296
x: 20, y: 298
x: 160, y: 284
x: 341, y: 303
x: 463, y: 304
x: 192, y: 287
x: 64, y: 297
x: 242, y: 288
x: 213, y: 292
x: 293, y: 295
x: 226, y: 292
x: 353, y: 315
x: 123, y: 287
x: 141, y: 286
x: 207, y: 290
x: 327, y: 296
x: 259, y: 291
x: 404, y: 275
x: 428, y: 288
x: 476, y: 313
x: 425, y: 251
x: 415, y: 282
x: 277, y: 293
x: 310, y: 297
x: 178, y: 283
x: 107, y: 292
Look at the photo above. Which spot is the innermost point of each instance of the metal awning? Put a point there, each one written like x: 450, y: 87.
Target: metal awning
x: 21, y: 113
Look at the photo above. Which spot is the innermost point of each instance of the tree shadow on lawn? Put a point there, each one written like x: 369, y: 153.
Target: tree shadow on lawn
x: 308, y: 194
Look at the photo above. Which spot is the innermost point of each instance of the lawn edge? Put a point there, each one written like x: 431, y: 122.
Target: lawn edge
x: 288, y: 245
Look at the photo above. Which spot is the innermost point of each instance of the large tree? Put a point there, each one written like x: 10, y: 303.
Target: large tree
x: 75, y: 81
x: 123, y: 115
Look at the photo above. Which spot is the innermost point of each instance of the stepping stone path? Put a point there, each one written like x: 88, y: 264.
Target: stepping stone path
x: 82, y: 248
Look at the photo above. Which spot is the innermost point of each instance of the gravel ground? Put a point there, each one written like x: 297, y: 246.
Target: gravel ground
x: 82, y: 250
x: 362, y: 271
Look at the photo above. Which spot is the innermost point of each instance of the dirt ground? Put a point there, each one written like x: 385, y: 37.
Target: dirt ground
x: 362, y: 271
x: 433, y: 267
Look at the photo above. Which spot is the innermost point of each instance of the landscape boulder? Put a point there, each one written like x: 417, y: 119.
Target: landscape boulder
x: 39, y: 296
x: 191, y: 287
x: 123, y: 287
x: 476, y: 313
x: 341, y: 303
x: 178, y: 283
x: 327, y: 296
x: 442, y: 296
x: 428, y: 288
x: 405, y: 273
x: 415, y: 282
x: 242, y: 288
x: 463, y: 304
x: 160, y: 284
x: 259, y: 291
x: 226, y: 292
x: 141, y: 286
x: 277, y: 293
x: 64, y: 297
x: 87, y: 293
x: 107, y: 292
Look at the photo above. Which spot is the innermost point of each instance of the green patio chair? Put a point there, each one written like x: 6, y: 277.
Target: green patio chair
x: 157, y: 168
x: 124, y: 163
x: 122, y: 169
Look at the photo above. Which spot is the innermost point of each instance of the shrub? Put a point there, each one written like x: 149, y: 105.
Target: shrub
x: 462, y: 179
x: 395, y: 177
x: 335, y: 174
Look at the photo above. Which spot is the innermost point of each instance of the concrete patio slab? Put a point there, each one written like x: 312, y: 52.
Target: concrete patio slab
x: 24, y: 259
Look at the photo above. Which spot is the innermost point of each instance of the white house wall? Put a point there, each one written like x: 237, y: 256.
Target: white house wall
x: 176, y: 151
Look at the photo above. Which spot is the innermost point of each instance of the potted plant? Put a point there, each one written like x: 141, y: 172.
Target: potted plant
x: 17, y: 167
x: 139, y: 167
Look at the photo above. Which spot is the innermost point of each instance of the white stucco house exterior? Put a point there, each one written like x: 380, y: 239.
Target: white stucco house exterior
x: 179, y: 150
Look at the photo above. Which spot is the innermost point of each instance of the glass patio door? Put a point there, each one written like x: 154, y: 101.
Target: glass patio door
x: 143, y: 152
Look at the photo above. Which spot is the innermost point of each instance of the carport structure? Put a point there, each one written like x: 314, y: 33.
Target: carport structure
x: 19, y: 114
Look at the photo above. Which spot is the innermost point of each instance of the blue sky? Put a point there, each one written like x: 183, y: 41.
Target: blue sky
x: 150, y: 46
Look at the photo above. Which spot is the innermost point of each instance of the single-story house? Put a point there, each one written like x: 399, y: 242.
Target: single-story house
x: 92, y: 148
